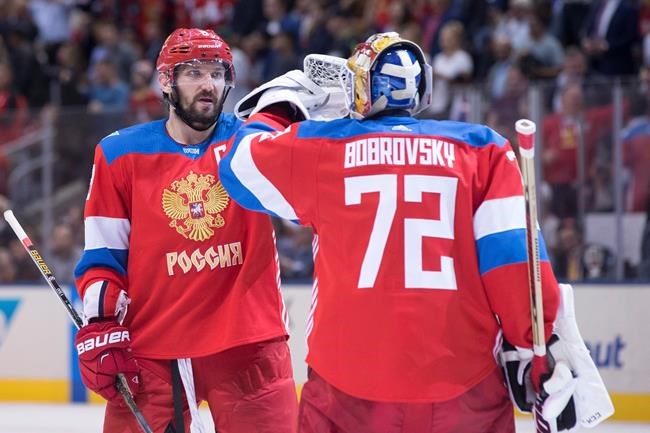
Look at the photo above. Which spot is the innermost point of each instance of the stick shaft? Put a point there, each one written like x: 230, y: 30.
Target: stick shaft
x: 121, y: 383
x: 526, y: 134
x: 534, y: 271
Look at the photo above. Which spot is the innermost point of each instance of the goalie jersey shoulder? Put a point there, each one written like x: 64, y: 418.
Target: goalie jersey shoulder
x: 472, y: 134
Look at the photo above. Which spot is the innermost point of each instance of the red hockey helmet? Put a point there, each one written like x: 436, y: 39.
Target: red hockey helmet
x: 190, y: 45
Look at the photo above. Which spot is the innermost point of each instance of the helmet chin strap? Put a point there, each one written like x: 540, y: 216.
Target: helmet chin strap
x: 185, y: 116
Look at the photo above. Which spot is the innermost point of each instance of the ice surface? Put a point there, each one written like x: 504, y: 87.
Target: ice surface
x: 87, y: 418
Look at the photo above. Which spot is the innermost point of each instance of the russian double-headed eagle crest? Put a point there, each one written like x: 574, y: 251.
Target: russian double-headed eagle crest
x: 194, y: 205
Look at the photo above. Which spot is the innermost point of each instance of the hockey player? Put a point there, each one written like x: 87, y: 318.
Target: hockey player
x: 420, y: 251
x: 197, y: 273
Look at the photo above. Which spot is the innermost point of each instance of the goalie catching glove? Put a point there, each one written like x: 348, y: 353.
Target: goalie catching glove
x: 573, y: 392
x: 293, y: 88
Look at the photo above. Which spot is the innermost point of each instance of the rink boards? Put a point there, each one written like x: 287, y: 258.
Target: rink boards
x: 37, y: 361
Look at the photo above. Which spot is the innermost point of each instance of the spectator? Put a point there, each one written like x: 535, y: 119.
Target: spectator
x: 498, y: 74
x: 391, y: 16
x: 474, y: 14
x: 544, y: 58
x: 574, y: 71
x: 484, y: 37
x: 74, y: 218
x: 568, y: 257
x: 450, y: 66
x: 343, y: 29
x: 28, y: 73
x: 511, y: 106
x: 64, y: 253
x: 600, y: 190
x: 516, y: 25
x: 281, y: 57
x: 568, y: 20
x: 110, y: 47
x: 247, y: 14
x: 26, y: 272
x: 314, y: 36
x: 564, y: 132
x: 16, y: 19
x: 610, y: 33
x: 279, y: 20
x: 154, y: 37
x: 13, y: 107
x: 248, y: 67
x: 204, y: 13
x: 548, y: 221
x: 71, y: 35
x: 598, y: 262
x: 7, y: 267
x: 357, y: 17
x: 440, y: 13
x: 144, y: 102
x: 636, y: 150
x: 52, y: 18
x: 71, y: 76
x: 107, y: 91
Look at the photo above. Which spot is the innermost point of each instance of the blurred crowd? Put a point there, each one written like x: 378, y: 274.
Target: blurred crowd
x: 88, y: 67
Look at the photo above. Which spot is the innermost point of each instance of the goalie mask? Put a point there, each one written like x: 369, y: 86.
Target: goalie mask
x: 388, y: 72
x: 209, y: 60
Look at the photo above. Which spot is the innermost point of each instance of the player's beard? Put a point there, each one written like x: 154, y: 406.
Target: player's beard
x: 194, y: 116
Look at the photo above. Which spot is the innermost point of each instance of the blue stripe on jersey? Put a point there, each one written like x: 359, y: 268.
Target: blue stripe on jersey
x: 472, y: 134
x: 151, y: 138
x: 102, y: 258
x: 231, y: 182
x: 642, y: 128
x: 505, y: 248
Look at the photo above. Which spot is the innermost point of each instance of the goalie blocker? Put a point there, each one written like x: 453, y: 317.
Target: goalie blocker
x: 574, y: 392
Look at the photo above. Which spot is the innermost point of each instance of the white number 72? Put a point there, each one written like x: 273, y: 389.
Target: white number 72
x: 414, y: 228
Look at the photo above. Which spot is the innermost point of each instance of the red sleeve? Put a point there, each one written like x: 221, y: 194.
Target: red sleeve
x: 499, y: 224
x: 107, y: 229
x: 288, y: 162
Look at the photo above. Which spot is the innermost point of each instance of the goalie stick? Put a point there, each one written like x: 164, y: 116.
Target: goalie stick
x: 540, y: 364
x: 526, y: 134
x: 120, y: 383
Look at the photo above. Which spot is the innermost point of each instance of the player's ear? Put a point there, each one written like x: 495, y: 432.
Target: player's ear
x: 165, y: 82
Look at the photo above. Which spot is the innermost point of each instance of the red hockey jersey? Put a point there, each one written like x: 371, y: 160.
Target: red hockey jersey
x: 201, y: 271
x: 420, y: 246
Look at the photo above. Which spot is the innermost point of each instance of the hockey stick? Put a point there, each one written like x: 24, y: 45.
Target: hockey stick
x: 121, y: 383
x: 540, y: 365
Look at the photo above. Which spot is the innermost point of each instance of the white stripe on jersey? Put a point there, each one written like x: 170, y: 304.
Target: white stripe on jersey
x: 249, y: 175
x: 105, y: 232
x: 499, y: 215
x: 91, y: 301
x: 278, y: 282
x: 314, y: 294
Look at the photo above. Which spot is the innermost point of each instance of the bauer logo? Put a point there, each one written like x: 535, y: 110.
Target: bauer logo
x: 7, y: 309
x: 608, y: 354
